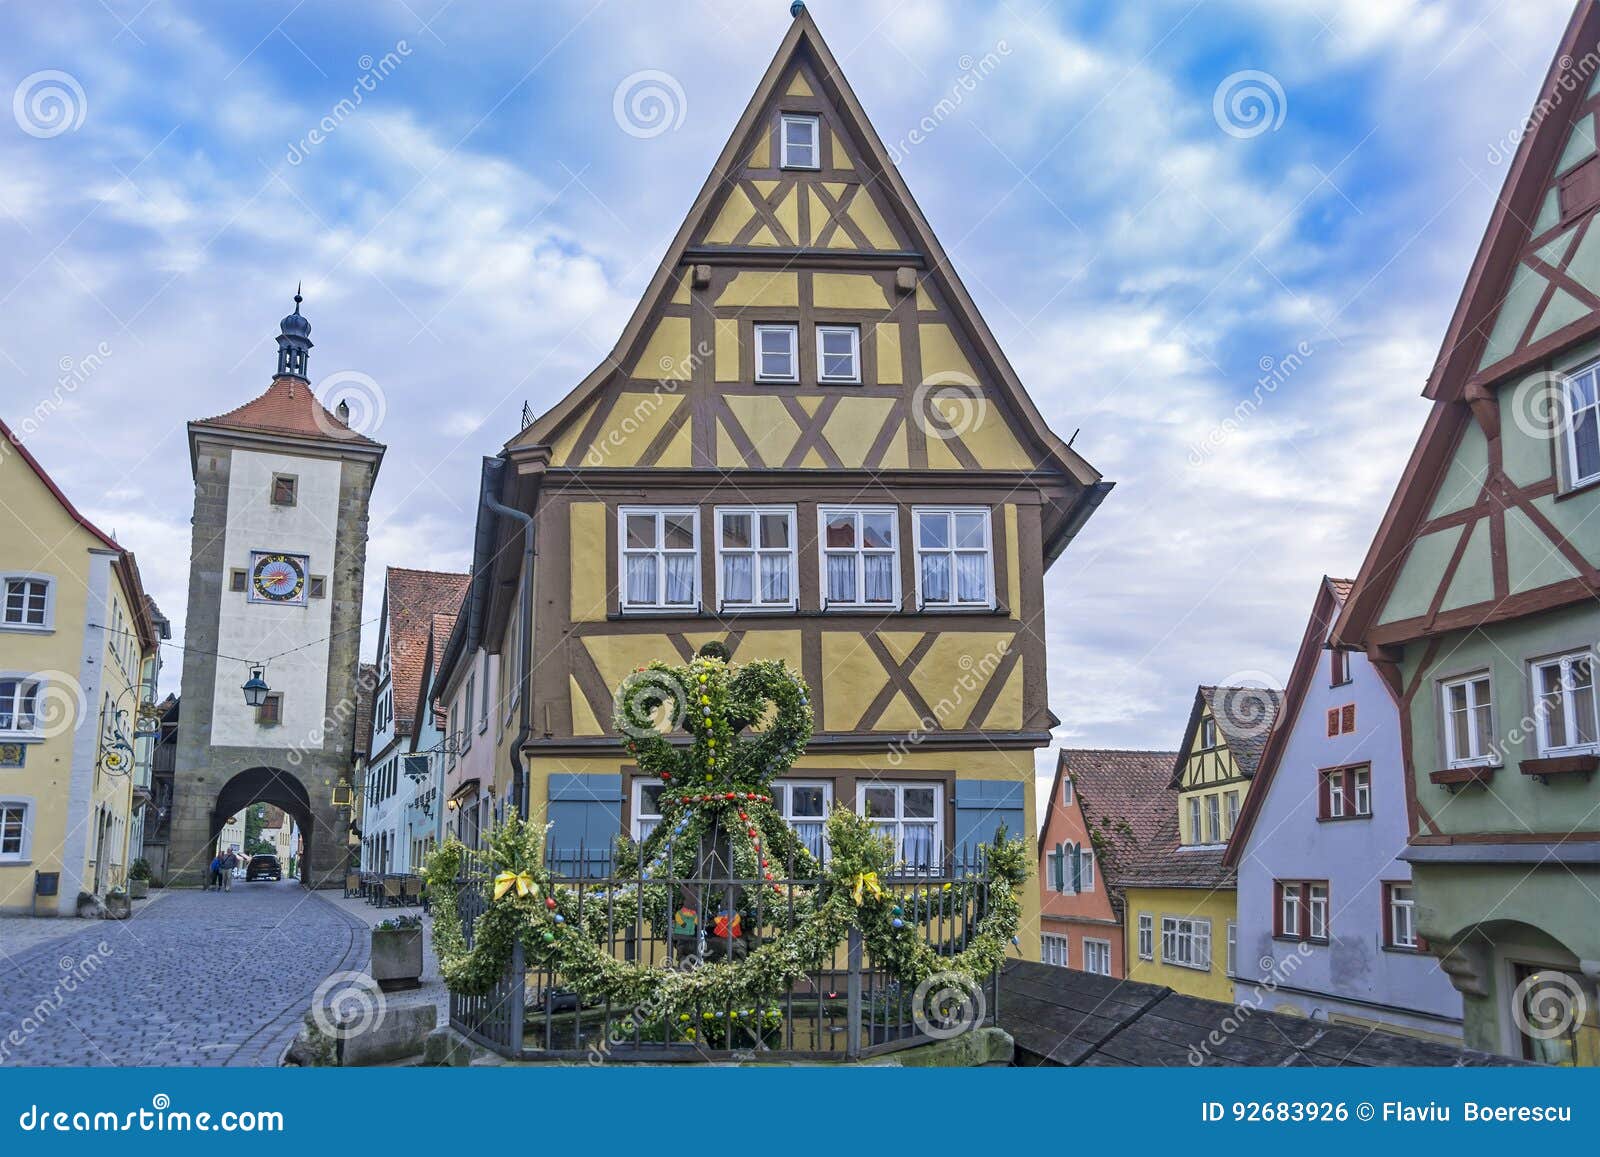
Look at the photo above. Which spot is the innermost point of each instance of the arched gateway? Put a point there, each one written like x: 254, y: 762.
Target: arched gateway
x: 275, y: 579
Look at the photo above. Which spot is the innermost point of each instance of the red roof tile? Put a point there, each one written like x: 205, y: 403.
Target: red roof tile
x: 288, y: 407
x: 414, y: 597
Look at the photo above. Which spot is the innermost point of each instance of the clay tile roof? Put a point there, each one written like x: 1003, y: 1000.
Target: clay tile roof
x: 414, y: 598
x: 288, y: 407
x: 1132, y: 815
x: 366, y: 684
x: 1341, y: 588
x: 1244, y: 716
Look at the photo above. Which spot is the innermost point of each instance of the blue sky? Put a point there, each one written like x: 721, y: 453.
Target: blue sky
x: 474, y: 233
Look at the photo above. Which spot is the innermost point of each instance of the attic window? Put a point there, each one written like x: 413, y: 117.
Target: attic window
x: 1579, y: 190
x: 799, y: 139
x: 1208, y: 733
x: 283, y: 489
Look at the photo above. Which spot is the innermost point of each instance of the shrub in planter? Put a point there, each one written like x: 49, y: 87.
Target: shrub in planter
x: 118, y: 905
x: 397, y: 953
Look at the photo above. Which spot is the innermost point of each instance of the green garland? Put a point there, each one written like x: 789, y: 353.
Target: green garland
x: 720, y: 781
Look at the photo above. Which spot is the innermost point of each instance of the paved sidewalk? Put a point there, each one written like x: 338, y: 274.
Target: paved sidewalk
x: 432, y: 990
x: 193, y: 978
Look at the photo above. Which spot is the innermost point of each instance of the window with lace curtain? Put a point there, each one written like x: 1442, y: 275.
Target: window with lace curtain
x: 912, y: 816
x: 756, y: 557
x: 860, y: 556
x: 954, y: 561
x: 805, y: 806
x: 660, y: 558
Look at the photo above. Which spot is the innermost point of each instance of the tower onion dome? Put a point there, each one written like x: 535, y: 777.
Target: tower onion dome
x: 294, y: 342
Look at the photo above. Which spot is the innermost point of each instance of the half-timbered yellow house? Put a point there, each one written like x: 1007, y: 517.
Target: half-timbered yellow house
x: 807, y: 446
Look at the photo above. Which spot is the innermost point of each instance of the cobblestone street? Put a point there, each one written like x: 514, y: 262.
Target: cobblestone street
x: 194, y: 978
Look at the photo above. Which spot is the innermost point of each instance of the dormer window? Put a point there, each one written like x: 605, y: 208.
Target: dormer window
x: 800, y: 136
x: 1583, y: 426
x: 1208, y: 733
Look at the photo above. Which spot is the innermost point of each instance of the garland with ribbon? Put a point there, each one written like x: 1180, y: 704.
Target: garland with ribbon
x: 719, y: 783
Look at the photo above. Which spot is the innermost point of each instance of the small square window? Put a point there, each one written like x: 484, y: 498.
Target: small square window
x: 270, y: 712
x: 838, y: 353
x: 800, y: 142
x: 319, y: 587
x: 777, y: 353
x: 237, y: 579
x: 284, y: 489
x: 27, y: 603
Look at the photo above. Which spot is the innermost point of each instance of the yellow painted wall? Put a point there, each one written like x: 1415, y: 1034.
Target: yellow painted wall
x: 1209, y: 771
x: 1219, y: 907
x: 38, y: 536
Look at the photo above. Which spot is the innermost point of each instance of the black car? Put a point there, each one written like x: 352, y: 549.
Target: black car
x: 263, y: 868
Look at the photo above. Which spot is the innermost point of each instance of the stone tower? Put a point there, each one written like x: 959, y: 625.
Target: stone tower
x: 276, y: 566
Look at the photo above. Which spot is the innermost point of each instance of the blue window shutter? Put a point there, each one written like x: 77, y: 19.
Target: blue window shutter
x: 982, y: 806
x: 1058, y: 874
x: 585, y: 818
x: 1077, y: 868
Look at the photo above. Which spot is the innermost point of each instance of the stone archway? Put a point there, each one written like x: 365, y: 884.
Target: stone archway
x: 268, y: 785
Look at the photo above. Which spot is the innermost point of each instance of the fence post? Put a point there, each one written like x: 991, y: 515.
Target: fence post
x: 853, y: 994
x: 514, y: 1006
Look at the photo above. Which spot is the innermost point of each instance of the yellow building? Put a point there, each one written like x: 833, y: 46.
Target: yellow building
x: 808, y: 446
x: 76, y: 638
x: 1179, y: 898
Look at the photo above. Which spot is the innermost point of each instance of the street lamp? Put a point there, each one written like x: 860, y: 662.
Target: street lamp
x: 255, y: 689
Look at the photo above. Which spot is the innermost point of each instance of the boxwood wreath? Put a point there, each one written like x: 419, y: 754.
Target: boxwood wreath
x: 720, y: 780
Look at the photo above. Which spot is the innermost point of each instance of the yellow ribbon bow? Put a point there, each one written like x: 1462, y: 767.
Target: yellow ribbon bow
x: 866, y: 882
x: 521, y: 881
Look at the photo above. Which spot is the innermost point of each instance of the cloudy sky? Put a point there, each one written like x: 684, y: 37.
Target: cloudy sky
x: 1233, y: 286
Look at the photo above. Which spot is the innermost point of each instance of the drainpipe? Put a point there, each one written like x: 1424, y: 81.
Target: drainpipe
x: 519, y: 781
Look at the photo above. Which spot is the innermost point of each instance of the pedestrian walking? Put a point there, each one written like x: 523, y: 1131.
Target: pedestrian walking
x: 229, y: 863
x: 214, y: 873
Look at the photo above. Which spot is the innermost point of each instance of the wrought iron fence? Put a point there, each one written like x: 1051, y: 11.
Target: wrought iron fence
x: 853, y: 1008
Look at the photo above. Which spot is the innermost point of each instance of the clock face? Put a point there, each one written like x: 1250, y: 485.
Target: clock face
x: 278, y: 578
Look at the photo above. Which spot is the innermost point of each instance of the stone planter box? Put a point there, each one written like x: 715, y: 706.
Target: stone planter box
x: 138, y: 889
x: 396, y: 958
x: 118, y: 906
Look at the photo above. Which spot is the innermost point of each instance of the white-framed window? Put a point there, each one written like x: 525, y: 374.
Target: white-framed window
x: 955, y: 565
x: 1231, y: 961
x: 860, y: 556
x: 1233, y: 812
x: 805, y: 806
x: 756, y: 557
x: 1147, y: 936
x: 660, y: 558
x: 1213, y: 819
x: 910, y: 814
x: 801, y: 136
x: 1564, y: 692
x: 1336, y: 796
x: 1361, y: 790
x: 1208, y: 732
x: 1194, y: 819
x: 483, y: 700
x: 1097, y: 957
x: 1086, y: 870
x: 1402, y: 915
x: 839, y: 353
x: 19, y: 702
x: 1066, y: 791
x: 1468, y: 721
x: 1302, y: 909
x: 1186, y: 942
x: 15, y: 831
x: 1056, y: 869
x: 777, y: 353
x: 467, y: 702
x: 29, y: 603
x: 1583, y: 425
x: 646, y: 807
x: 1053, y: 949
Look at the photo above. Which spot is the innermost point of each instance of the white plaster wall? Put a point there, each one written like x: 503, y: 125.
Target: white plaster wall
x: 256, y: 630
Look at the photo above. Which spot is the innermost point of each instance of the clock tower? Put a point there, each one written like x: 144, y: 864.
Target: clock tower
x: 278, y: 555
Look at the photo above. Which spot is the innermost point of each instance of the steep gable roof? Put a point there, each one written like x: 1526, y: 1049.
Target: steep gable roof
x: 882, y: 223
x: 412, y: 598
x: 1331, y: 595
x: 1245, y: 716
x: 16, y: 443
x: 1132, y: 817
